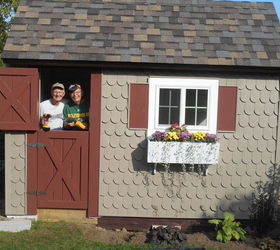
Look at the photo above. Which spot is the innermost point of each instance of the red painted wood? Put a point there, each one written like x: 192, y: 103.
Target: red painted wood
x: 63, y: 169
x: 138, y: 105
x: 227, y: 108
x: 31, y: 174
x: 144, y: 223
x: 94, y: 147
x: 19, y: 71
x: 19, y: 95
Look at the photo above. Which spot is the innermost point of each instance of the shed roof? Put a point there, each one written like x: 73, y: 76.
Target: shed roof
x: 155, y: 31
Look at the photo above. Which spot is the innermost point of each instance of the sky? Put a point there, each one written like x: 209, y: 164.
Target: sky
x: 275, y: 2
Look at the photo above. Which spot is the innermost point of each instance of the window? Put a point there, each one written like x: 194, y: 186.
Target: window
x: 183, y: 101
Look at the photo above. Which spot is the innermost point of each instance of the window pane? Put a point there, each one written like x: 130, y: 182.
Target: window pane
x: 175, y: 113
x: 202, y: 117
x: 190, y: 116
x: 202, y: 98
x: 175, y: 97
x: 169, y: 106
x: 190, y: 97
x: 164, y: 97
x: 163, y: 116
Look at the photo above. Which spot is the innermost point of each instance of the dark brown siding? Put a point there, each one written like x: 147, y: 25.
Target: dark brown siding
x: 138, y: 105
x: 144, y: 224
x: 227, y: 108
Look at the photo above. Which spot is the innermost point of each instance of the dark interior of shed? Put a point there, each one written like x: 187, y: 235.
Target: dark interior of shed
x: 64, y: 75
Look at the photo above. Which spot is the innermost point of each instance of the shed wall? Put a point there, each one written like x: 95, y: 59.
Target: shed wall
x: 15, y: 173
x: 127, y: 186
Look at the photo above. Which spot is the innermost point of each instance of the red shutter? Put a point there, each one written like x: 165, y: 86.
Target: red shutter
x: 227, y: 108
x: 138, y: 105
x: 19, y: 98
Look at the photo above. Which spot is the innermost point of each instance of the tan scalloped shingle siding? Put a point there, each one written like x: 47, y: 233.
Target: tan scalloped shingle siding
x: 163, y: 31
x: 127, y: 185
x: 15, y: 172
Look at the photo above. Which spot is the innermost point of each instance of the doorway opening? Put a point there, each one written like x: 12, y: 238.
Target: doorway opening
x: 62, y: 166
x: 67, y: 76
x: 2, y: 173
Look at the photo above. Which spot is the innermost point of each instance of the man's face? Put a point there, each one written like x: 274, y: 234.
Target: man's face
x: 57, y: 94
x: 76, y: 96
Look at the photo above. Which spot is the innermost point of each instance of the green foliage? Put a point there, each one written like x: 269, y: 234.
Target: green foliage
x: 7, y: 10
x: 228, y: 229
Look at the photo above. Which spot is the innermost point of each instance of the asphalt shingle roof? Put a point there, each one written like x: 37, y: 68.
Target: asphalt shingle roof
x: 153, y: 31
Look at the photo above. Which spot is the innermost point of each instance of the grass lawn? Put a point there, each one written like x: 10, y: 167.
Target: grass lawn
x: 59, y: 235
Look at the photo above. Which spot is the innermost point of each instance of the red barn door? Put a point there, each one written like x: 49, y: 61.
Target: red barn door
x: 62, y: 169
x: 19, y: 95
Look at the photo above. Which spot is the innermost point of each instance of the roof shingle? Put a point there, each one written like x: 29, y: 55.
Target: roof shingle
x: 155, y: 31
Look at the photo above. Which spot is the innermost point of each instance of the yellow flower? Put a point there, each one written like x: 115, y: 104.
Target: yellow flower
x: 171, y: 136
x: 198, y: 136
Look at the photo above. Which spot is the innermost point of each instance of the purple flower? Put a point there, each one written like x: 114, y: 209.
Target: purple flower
x: 184, y: 136
x: 210, y: 138
x: 158, y: 136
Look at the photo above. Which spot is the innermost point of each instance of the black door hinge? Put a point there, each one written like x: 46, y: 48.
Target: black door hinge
x: 37, y: 145
x: 36, y: 192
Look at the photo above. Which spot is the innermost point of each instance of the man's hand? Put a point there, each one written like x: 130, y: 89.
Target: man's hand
x: 69, y: 123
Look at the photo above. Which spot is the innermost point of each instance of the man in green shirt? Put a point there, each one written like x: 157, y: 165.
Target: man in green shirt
x: 76, y: 113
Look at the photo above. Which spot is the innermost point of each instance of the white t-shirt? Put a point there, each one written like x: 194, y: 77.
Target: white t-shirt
x: 56, y: 111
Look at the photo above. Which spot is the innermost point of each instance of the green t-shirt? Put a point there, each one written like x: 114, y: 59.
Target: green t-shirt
x: 77, y: 112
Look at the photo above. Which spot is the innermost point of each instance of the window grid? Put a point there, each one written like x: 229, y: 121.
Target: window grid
x: 169, y: 106
x: 195, y: 107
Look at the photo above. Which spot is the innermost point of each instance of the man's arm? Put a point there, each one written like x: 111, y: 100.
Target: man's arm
x: 68, y: 122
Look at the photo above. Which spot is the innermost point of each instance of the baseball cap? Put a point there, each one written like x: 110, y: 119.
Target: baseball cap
x: 58, y: 85
x: 74, y: 87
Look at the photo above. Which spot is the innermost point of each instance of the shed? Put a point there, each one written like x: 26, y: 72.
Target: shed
x: 127, y: 54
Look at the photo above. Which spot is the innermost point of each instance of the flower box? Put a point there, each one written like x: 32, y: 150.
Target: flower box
x: 183, y: 152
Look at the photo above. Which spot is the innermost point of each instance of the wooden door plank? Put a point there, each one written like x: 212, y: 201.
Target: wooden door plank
x: 64, y: 171
x: 19, y: 96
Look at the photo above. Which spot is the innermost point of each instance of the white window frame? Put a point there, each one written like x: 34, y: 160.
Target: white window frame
x: 155, y: 84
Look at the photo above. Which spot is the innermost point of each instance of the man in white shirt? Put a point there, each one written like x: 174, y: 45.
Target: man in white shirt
x: 51, y: 110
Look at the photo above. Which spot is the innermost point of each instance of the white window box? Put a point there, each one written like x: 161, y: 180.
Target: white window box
x: 183, y: 152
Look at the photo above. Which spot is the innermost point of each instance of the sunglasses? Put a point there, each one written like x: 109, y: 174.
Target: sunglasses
x: 73, y: 87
